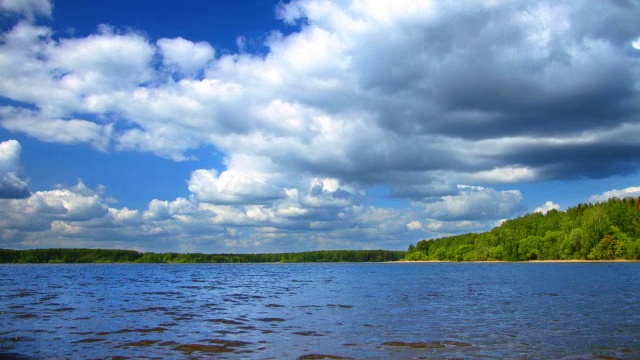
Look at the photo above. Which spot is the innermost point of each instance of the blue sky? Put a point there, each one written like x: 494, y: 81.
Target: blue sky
x: 220, y: 24
x: 299, y: 125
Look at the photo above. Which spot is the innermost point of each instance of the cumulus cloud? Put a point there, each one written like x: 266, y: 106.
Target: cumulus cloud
x: 164, y: 210
x: 41, y: 208
x: 187, y: 57
x: 13, y: 184
x: 633, y: 191
x: 329, y: 192
x: 476, y: 202
x: 69, y: 131
x: 245, y: 181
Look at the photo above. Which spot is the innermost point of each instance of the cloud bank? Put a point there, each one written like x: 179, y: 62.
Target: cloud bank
x: 439, y: 102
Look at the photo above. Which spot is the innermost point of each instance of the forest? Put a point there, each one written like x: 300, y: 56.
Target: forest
x: 602, y: 231
x: 42, y: 256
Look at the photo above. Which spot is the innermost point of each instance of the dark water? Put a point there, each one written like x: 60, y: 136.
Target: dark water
x: 424, y: 310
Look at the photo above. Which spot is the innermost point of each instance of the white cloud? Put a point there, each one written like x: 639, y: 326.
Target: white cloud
x: 454, y: 227
x: 245, y: 181
x: 162, y: 141
x: 96, y: 63
x: 163, y: 210
x: 414, y: 225
x: 509, y: 174
x: 70, y: 131
x: 77, y: 203
x: 329, y: 193
x: 67, y: 76
x: 633, y: 191
x: 435, y: 228
x: 13, y: 184
x: 475, y: 202
x: 124, y: 216
x: 41, y: 208
x: 187, y: 57
x: 549, y: 205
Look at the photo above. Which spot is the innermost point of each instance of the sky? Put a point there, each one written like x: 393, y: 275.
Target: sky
x: 267, y: 126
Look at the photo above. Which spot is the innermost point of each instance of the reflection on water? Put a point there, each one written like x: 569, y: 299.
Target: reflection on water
x: 321, y: 311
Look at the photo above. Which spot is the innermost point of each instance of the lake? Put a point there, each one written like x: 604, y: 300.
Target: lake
x: 291, y: 311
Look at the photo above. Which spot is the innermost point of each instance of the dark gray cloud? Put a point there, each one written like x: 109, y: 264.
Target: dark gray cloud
x: 567, y: 161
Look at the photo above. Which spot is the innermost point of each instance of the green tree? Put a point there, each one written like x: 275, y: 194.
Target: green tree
x: 551, y: 244
x: 595, y: 224
x: 530, y: 248
x: 497, y: 253
x: 463, y: 253
x: 571, y: 244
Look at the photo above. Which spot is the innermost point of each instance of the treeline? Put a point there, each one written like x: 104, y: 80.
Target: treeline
x: 43, y: 256
x: 602, y: 231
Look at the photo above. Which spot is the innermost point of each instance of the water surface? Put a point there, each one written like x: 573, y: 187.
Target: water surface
x: 263, y: 311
